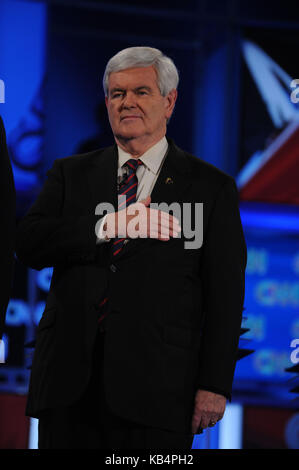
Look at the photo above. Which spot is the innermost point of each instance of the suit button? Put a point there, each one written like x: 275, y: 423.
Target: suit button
x: 113, y: 268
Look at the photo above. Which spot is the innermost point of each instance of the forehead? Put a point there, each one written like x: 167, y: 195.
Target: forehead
x: 133, y: 77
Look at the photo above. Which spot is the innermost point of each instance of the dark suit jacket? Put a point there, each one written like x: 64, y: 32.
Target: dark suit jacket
x: 174, y: 314
x: 8, y: 226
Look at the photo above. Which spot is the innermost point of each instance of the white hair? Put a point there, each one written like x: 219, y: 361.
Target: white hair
x: 167, y: 74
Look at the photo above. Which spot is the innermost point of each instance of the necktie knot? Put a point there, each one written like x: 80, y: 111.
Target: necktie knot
x: 133, y: 164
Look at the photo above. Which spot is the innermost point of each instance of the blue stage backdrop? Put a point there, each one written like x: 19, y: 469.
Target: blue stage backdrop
x: 271, y: 303
x: 22, y: 68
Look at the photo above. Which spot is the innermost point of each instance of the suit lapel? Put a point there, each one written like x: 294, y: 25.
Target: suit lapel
x: 174, y: 178
x: 102, y: 178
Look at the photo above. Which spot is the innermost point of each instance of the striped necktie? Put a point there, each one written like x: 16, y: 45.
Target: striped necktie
x: 127, y: 195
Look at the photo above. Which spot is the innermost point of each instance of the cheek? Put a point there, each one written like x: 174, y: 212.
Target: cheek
x: 158, y: 111
x: 112, y: 114
x: 157, y: 117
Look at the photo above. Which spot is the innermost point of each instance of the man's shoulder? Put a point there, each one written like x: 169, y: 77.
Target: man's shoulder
x: 80, y: 160
x: 205, y: 172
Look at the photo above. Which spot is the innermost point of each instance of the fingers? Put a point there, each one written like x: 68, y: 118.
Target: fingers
x: 195, y: 427
x: 162, y: 225
x: 208, y: 410
x: 203, y: 420
x: 162, y: 232
x: 138, y: 220
x: 151, y: 223
x: 208, y: 421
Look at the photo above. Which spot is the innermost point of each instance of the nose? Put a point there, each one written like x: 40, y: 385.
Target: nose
x: 129, y: 100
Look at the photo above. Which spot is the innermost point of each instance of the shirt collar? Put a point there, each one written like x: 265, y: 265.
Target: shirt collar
x: 152, y: 158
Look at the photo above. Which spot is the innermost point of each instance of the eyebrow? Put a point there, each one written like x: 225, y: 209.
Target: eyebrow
x: 115, y: 89
x: 143, y: 87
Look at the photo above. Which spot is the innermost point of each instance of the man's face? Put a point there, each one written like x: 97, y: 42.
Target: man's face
x: 136, y: 108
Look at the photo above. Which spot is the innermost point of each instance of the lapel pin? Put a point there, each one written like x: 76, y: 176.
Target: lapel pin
x: 168, y: 180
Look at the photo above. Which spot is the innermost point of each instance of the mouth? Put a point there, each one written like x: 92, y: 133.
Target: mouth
x: 129, y: 118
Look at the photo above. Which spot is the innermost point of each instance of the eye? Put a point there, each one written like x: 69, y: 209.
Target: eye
x: 117, y: 95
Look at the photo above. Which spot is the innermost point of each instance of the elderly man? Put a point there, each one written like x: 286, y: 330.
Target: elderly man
x: 138, y: 341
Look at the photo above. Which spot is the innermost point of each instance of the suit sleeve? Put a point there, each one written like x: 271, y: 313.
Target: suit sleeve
x: 223, y: 274
x: 47, y: 237
x: 8, y: 226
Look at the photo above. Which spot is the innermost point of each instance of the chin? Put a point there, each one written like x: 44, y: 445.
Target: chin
x: 128, y: 135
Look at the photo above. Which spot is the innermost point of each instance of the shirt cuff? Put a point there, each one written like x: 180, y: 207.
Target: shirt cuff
x: 100, y: 237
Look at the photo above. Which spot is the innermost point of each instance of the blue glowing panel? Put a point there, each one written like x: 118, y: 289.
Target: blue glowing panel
x: 272, y: 294
x: 22, y: 68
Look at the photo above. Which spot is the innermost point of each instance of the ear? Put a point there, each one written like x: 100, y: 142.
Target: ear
x: 170, y: 100
x: 106, y: 101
